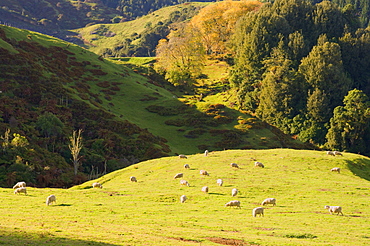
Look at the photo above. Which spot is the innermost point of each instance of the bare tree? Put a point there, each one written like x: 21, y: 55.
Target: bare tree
x: 75, y: 147
x: 5, y: 139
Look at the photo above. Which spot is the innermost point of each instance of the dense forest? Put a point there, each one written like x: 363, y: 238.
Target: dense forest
x: 308, y: 77
x: 299, y: 66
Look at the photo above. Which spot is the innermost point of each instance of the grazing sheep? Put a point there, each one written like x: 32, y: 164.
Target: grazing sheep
x: 184, y: 182
x: 186, y: 166
x: 234, y: 192
x: 258, y: 210
x: 178, y: 175
x: 133, y: 179
x: 259, y: 164
x: 20, y: 190
x: 234, y: 203
x: 269, y: 201
x: 234, y: 165
x: 334, y: 209
x: 97, y: 185
x: 330, y: 153
x: 50, y: 199
x: 205, y: 189
x: 183, y: 157
x: 336, y: 169
x: 220, y: 182
x: 337, y: 153
x: 206, y: 152
x: 19, y: 185
x: 183, y: 198
x: 204, y: 172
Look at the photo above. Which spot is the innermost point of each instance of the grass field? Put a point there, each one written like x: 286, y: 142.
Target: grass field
x: 149, y: 212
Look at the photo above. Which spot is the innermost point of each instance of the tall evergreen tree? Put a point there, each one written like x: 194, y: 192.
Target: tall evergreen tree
x: 350, y: 125
x: 282, y: 90
x: 323, y: 70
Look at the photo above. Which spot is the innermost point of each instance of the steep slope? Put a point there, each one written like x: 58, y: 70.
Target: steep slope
x: 149, y: 211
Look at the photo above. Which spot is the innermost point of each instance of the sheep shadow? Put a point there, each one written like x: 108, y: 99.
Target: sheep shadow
x: 215, y: 193
x: 63, y: 205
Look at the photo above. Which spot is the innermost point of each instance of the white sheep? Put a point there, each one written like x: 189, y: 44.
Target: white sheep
x: 220, y: 182
x: 258, y: 210
x: 234, y: 203
x: 19, y: 184
x: 234, y: 192
x: 234, y: 165
x: 334, y: 209
x: 186, y: 166
x: 50, y: 199
x: 336, y: 169
x: 183, y: 198
x: 183, y: 157
x: 178, y: 175
x: 269, y: 201
x: 330, y: 153
x: 259, y: 164
x: 97, y: 185
x: 184, y: 182
x: 337, y: 153
x: 206, y: 152
x: 204, y: 172
x: 20, y: 190
x: 133, y: 179
x: 205, y: 189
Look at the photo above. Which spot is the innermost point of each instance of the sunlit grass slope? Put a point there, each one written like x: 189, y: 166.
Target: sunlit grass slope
x: 96, y: 42
x: 149, y: 212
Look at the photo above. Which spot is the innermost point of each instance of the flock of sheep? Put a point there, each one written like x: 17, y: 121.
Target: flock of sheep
x: 20, y: 187
x: 235, y: 203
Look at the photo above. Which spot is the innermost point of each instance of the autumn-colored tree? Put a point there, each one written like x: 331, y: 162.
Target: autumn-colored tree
x: 216, y: 22
x: 181, y: 56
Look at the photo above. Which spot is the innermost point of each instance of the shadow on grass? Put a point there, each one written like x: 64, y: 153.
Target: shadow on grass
x: 63, y: 205
x: 214, y: 193
x: 15, y: 237
x: 360, y: 167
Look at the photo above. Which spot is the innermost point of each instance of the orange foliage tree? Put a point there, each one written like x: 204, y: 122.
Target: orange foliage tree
x: 216, y: 22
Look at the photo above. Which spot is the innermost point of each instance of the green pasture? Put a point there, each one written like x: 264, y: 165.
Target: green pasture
x: 149, y: 212
x: 130, y: 29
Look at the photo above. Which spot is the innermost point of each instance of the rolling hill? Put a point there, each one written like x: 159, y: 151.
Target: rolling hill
x: 148, y: 212
x: 126, y: 117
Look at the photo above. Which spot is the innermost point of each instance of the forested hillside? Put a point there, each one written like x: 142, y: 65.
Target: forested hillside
x: 305, y: 69
x: 301, y: 67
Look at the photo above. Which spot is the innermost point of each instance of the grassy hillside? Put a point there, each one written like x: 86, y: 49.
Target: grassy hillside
x: 142, y: 33
x: 128, y: 113
x: 149, y: 212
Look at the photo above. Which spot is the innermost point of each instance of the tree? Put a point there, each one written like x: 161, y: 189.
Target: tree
x: 181, y: 56
x: 325, y: 75
x: 216, y: 22
x: 19, y: 140
x: 5, y: 138
x: 350, y: 124
x: 282, y: 90
x: 75, y: 147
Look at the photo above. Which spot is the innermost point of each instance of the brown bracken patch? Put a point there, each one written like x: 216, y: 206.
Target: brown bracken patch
x: 229, y: 241
x: 184, y: 239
